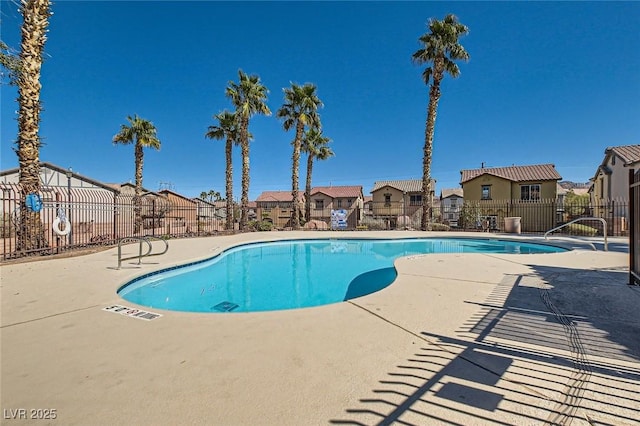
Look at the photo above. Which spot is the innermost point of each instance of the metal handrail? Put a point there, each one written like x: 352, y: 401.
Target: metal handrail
x: 139, y: 256
x: 604, y: 228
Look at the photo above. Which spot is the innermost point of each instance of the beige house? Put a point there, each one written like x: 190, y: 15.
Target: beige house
x: 276, y: 207
x: 399, y: 201
x: 528, y: 192
x: 610, y: 189
x: 155, y: 208
x: 324, y: 199
x: 182, y: 218
x: 611, y: 180
x: 451, y: 201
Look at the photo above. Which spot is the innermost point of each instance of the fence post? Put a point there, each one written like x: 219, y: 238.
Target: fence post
x: 115, y: 215
x: 57, y: 236
x: 153, y: 217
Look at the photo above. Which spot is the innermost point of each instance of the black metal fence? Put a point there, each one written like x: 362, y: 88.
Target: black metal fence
x: 634, y: 227
x: 100, y: 217
x: 534, y: 217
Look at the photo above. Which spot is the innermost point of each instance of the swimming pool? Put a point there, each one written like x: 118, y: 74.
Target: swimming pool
x: 296, y: 273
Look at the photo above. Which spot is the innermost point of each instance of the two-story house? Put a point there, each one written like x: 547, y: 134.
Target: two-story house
x: 610, y: 189
x: 528, y: 192
x: 399, y: 201
x: 451, y: 201
x: 324, y: 199
x: 277, y: 206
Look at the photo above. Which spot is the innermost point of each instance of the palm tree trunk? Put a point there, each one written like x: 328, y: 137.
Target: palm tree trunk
x: 434, y: 97
x: 307, y: 191
x: 30, y: 233
x: 295, y: 221
x: 229, y: 184
x: 244, y: 201
x: 137, y: 200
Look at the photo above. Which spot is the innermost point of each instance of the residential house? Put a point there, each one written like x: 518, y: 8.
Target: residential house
x: 399, y: 202
x: 277, y: 207
x: 451, y: 201
x: 211, y: 215
x: 610, y: 189
x: 324, y: 199
x: 368, y: 205
x: 87, y: 203
x: 528, y: 192
x: 154, y: 209
x: 182, y: 217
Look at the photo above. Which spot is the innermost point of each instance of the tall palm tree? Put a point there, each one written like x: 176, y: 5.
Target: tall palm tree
x: 143, y: 134
x: 227, y: 128
x: 440, y: 49
x: 300, y: 109
x: 315, y: 145
x: 35, y: 13
x: 249, y: 97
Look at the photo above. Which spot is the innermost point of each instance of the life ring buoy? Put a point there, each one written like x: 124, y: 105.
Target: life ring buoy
x: 56, y: 227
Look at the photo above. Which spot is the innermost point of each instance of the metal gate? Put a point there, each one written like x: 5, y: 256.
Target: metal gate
x: 634, y: 227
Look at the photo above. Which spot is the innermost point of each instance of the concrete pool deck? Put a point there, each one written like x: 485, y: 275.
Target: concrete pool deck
x: 456, y: 339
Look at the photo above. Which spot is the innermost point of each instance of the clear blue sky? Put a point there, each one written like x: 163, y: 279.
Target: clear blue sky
x: 547, y: 83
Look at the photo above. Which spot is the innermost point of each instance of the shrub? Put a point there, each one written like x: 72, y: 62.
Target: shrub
x: 440, y: 227
x: 578, y: 229
x: 263, y: 225
x: 373, y: 224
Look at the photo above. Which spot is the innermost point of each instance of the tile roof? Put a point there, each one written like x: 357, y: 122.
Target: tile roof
x: 452, y: 191
x: 282, y: 196
x: 339, y: 191
x: 411, y: 185
x: 537, y: 172
x: 630, y: 154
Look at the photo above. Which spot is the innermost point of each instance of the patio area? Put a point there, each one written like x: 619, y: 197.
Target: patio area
x: 457, y: 339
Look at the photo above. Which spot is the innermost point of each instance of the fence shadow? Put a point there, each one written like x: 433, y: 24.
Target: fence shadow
x: 548, y: 347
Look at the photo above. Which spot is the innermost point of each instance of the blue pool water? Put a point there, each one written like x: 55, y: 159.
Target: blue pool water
x: 295, y: 273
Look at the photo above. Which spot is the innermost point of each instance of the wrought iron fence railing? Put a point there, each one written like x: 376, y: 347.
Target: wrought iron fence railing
x: 100, y: 217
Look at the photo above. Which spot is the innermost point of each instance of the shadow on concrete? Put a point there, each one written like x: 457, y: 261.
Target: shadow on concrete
x: 548, y: 347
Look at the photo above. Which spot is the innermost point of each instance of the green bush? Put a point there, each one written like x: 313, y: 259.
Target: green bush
x: 440, y: 227
x: 578, y: 229
x: 263, y: 225
x: 373, y: 224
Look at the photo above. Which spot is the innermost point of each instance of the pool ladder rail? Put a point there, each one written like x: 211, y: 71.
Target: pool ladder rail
x: 146, y: 239
x: 604, y: 229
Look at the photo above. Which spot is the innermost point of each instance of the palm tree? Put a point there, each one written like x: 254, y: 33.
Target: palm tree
x: 299, y: 110
x: 10, y: 62
x: 440, y: 49
x: 227, y: 128
x: 249, y: 97
x: 143, y: 134
x: 315, y: 145
x: 35, y: 13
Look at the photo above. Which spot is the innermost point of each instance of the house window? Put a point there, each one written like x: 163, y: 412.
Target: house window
x: 530, y: 192
x: 319, y: 204
x: 415, y: 200
x: 387, y: 200
x: 486, y: 192
x: 339, y: 203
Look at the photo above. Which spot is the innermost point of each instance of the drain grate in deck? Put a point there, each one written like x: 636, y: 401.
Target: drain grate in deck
x: 225, y: 307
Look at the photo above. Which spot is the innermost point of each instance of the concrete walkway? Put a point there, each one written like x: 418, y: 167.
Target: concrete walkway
x: 458, y: 339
